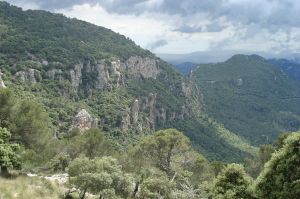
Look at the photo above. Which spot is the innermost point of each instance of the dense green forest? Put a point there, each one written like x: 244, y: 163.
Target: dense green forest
x: 250, y: 96
x: 86, y: 113
x: 161, y: 165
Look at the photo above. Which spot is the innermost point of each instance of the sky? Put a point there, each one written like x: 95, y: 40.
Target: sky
x: 185, y: 26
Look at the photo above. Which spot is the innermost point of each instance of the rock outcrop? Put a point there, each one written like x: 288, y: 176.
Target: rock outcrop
x: 134, y: 112
x: 75, y: 75
x: 148, y: 106
x: 187, y: 89
x: 125, y: 123
x: 100, y: 75
x: 55, y: 74
x: 130, y: 116
x: 29, y: 75
x: 103, y: 75
x: 142, y: 67
x: 159, y: 116
x: 2, y: 85
x: 84, y: 121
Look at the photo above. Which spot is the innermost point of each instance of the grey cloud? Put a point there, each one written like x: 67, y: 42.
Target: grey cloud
x: 52, y: 4
x: 189, y: 29
x: 267, y: 13
x: 124, y: 6
x: 212, y: 27
x: 117, y: 6
x: 157, y: 44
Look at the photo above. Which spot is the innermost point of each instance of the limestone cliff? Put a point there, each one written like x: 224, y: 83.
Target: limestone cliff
x: 142, y: 67
x: 28, y: 75
x: 101, y: 75
x: 84, y: 121
x: 2, y: 85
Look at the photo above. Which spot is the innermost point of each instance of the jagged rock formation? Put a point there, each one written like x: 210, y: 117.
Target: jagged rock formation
x: 84, y: 121
x: 55, y: 74
x: 187, y: 89
x: 148, y: 106
x: 125, y: 123
x: 134, y: 112
x: 102, y: 75
x: 2, y: 85
x: 132, y: 116
x: 28, y: 75
x: 75, y: 75
x: 142, y: 67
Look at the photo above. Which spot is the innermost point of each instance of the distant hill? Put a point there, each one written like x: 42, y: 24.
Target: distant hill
x: 185, y: 68
x: 215, y: 56
x: 251, y: 97
x: 199, y: 57
x: 292, y: 68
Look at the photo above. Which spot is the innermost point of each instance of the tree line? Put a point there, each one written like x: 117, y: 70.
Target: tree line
x: 161, y: 165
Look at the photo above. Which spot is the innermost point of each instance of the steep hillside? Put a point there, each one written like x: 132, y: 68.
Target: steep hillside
x: 185, y: 67
x: 292, y: 68
x: 250, y: 96
x: 88, y: 76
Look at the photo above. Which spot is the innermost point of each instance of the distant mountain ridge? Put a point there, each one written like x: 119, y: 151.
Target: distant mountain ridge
x: 251, y: 97
x: 215, y: 56
x: 185, y: 68
x: 291, y: 67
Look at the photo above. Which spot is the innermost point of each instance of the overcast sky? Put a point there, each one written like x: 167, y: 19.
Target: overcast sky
x: 184, y: 26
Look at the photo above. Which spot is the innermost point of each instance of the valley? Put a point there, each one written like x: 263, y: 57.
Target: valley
x: 84, y: 102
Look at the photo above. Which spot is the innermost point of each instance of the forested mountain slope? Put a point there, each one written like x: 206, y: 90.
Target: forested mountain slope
x: 292, y: 68
x: 87, y: 76
x: 184, y: 68
x: 250, y: 96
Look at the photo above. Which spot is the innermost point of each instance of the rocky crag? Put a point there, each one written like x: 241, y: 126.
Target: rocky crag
x: 87, y: 76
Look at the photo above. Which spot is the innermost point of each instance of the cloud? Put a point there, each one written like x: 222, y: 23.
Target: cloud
x: 50, y: 4
x: 157, y: 44
x: 190, y: 25
x: 269, y: 14
x: 189, y: 29
x: 211, y: 27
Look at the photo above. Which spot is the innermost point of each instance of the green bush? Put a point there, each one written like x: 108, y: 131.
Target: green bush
x: 280, y: 178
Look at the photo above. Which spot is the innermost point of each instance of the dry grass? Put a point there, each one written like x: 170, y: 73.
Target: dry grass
x: 24, y: 187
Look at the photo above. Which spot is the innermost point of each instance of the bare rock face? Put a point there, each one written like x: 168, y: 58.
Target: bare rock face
x: 84, y: 121
x: 125, y: 123
x: 142, y: 67
x: 55, y: 74
x: 239, y: 81
x: 2, y: 85
x: 116, y: 72
x: 75, y: 75
x: 102, y: 76
x: 159, y: 116
x: 130, y: 116
x: 186, y: 89
x: 134, y: 112
x: 45, y: 63
x: 29, y: 75
x: 148, y: 105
